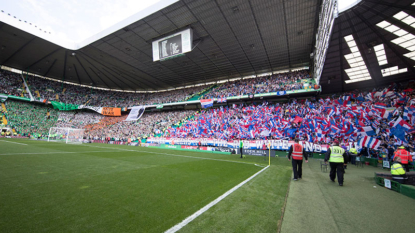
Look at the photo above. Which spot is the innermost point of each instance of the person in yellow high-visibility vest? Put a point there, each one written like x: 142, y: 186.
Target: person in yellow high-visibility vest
x: 398, y: 172
x: 336, y: 157
x: 353, y: 154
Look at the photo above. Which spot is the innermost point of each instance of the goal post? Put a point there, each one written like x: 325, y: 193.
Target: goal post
x: 66, y: 135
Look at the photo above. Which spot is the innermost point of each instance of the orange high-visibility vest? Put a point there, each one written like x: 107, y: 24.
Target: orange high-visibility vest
x: 405, y: 156
x: 297, y: 151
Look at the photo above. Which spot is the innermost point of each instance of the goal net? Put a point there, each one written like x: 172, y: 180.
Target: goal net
x: 66, y: 135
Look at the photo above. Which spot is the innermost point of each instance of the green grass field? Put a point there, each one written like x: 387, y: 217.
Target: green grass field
x: 55, y: 187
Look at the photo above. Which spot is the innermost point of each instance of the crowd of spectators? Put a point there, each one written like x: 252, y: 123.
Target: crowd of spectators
x: 347, y: 117
x: 104, y: 127
x: 151, y: 123
x: 50, y: 90
x: 11, y: 84
x: 29, y: 119
x: 267, y: 84
x: 73, y: 94
x: 78, y: 120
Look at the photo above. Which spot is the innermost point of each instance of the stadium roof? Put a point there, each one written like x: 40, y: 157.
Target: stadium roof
x: 233, y: 39
x: 370, y: 46
x: 365, y: 45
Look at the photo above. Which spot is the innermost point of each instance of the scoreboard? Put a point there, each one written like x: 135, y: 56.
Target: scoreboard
x: 173, y: 45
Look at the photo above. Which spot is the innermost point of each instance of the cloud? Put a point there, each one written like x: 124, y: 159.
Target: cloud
x: 75, y: 20
x: 114, y: 13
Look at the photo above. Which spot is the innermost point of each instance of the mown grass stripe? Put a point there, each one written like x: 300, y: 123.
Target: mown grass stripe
x: 208, y: 206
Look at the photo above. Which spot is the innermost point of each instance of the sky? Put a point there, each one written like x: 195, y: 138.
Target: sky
x: 345, y: 4
x: 74, y: 20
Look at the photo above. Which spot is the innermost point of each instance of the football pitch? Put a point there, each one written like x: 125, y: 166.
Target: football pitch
x: 56, y: 187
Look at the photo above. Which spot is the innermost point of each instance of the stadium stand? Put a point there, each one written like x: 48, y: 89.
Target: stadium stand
x: 150, y: 124
x: 11, y: 84
x: 73, y: 94
x: 44, y: 89
x: 30, y: 119
x: 274, y: 83
x: 347, y: 117
x: 77, y: 119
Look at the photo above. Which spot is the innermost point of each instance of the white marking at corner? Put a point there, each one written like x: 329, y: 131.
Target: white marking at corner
x: 13, y: 142
x: 205, y: 208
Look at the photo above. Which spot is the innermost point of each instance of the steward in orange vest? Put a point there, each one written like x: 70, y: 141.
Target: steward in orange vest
x: 297, y: 151
x: 404, y: 156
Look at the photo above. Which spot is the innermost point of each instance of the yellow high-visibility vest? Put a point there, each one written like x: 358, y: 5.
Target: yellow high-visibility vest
x: 336, y: 155
x: 397, y: 169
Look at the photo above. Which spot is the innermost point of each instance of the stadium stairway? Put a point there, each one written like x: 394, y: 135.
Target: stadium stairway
x: 3, y: 106
x: 315, y: 204
x: 4, y: 110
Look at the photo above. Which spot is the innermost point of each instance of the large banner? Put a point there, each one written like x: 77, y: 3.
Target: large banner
x: 111, y: 111
x: 248, y: 144
x: 63, y: 106
x: 103, y: 110
x: 135, y: 113
x: 107, y: 111
x: 40, y: 100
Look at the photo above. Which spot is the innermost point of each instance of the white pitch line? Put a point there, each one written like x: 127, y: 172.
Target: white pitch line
x: 222, y: 160
x: 62, y: 152
x: 185, y: 156
x: 13, y: 142
x: 208, y: 206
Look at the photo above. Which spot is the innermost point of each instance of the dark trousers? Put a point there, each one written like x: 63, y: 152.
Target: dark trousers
x: 400, y: 179
x: 241, y: 152
x: 353, y: 159
x: 339, y: 169
x: 297, y: 168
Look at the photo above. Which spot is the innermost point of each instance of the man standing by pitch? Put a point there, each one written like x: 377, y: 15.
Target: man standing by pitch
x: 298, y: 152
x: 336, y: 157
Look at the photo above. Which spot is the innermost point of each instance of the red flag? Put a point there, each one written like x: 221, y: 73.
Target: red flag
x: 297, y: 119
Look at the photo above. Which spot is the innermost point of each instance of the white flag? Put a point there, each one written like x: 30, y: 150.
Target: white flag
x: 135, y: 113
